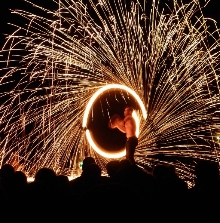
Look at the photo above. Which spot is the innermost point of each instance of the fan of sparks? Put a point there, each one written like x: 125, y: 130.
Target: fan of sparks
x: 58, y: 58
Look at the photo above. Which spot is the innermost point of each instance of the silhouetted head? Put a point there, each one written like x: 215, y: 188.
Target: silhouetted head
x: 20, y: 179
x: 46, y: 176
x: 206, y: 170
x: 112, y: 167
x: 92, y: 171
x: 172, y: 170
x: 61, y: 179
x: 37, y: 190
x: 62, y: 184
x: 7, y: 171
x: 124, y: 163
x: 175, y: 186
x: 87, y: 161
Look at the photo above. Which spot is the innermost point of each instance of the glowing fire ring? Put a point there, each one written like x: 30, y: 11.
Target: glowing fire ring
x: 87, y: 111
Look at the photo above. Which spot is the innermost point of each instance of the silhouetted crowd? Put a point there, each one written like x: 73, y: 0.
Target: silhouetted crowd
x: 128, y: 194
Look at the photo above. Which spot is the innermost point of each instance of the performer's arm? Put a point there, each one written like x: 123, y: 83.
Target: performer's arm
x: 121, y: 126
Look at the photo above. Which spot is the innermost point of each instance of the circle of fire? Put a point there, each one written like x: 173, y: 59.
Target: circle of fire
x: 87, y: 111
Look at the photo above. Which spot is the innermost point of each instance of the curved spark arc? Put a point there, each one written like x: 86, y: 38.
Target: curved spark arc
x: 137, y: 119
x: 109, y: 87
x: 163, y: 57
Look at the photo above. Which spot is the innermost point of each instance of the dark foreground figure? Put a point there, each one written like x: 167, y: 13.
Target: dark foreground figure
x: 129, y: 194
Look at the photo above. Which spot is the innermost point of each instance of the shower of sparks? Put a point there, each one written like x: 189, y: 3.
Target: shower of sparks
x: 167, y: 56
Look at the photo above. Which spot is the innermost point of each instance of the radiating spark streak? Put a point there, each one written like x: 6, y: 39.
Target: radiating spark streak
x: 68, y: 54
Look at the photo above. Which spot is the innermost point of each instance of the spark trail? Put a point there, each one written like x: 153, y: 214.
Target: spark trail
x: 168, y: 57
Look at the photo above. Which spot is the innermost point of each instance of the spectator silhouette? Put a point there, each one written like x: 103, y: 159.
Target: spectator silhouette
x: 91, y: 173
x: 205, y: 171
x: 48, y: 177
x: 38, y: 202
x: 6, y: 207
x: 161, y: 173
x: 19, y: 185
x: 20, y: 180
x: 175, y: 185
x: 206, y: 191
x: 144, y: 183
x: 88, y: 176
x: 124, y: 164
x: 112, y: 168
x: 62, y: 184
x: 173, y: 190
x: 132, y: 194
x: 111, y: 203
x: 6, y: 178
x: 87, y: 161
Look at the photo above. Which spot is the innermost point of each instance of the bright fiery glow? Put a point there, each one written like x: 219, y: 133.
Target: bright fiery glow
x: 109, y: 87
x: 30, y: 179
x: 161, y: 53
x: 137, y: 121
x: 134, y: 114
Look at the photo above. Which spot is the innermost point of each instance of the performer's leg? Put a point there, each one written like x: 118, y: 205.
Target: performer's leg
x: 131, y: 144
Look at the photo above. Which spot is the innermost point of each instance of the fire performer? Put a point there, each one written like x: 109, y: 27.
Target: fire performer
x: 127, y: 126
